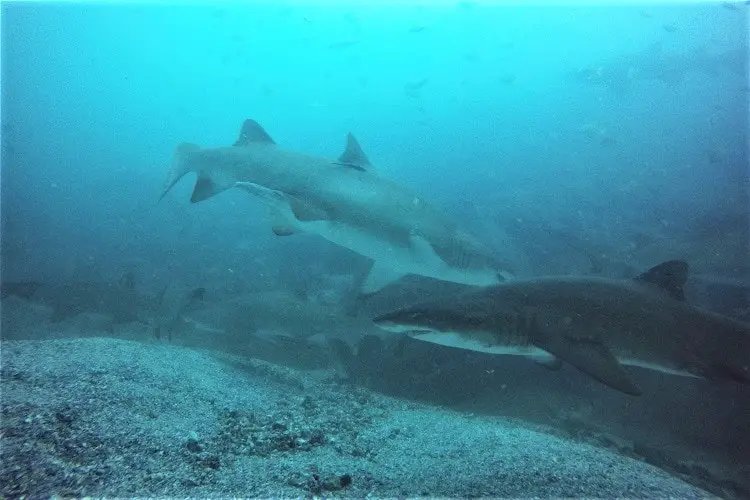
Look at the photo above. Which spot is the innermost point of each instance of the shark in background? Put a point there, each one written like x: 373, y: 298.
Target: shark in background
x: 100, y: 304
x: 595, y: 324
x: 622, y: 72
x: 345, y: 202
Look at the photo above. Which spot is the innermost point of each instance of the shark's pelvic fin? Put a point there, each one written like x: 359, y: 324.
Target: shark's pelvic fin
x: 252, y: 132
x: 353, y: 156
x: 668, y: 276
x: 283, y: 222
x: 180, y: 165
x: 423, y: 252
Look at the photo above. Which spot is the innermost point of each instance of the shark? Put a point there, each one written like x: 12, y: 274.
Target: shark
x: 597, y: 325
x: 346, y: 202
x: 622, y: 72
x: 282, y: 325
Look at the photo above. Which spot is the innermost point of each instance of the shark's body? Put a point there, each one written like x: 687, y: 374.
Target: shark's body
x: 620, y: 73
x: 345, y: 202
x: 595, y: 324
x: 119, y: 302
x: 281, y: 324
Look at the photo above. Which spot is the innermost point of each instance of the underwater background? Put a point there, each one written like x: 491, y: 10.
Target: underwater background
x: 572, y: 139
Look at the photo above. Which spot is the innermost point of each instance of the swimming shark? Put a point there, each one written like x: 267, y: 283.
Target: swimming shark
x: 119, y: 301
x: 346, y: 202
x: 281, y: 325
x: 595, y: 324
x: 620, y: 73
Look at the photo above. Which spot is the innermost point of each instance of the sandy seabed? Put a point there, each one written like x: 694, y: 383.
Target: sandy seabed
x: 103, y: 416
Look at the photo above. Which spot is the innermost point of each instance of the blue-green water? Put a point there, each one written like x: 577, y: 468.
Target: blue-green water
x: 589, y: 140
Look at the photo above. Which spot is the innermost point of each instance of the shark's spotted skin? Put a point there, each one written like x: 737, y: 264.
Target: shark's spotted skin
x: 344, y: 201
x: 596, y: 324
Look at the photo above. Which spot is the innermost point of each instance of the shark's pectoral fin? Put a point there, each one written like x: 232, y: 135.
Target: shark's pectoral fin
x: 590, y: 356
x: 283, y: 222
x: 546, y: 360
x: 379, y: 277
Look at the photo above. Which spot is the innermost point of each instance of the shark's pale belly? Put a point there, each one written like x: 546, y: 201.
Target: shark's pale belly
x: 393, y: 257
x: 476, y: 343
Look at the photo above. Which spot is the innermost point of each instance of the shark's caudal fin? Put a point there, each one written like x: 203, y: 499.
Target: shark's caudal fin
x: 353, y: 156
x: 669, y: 277
x: 252, y: 132
x: 180, y: 165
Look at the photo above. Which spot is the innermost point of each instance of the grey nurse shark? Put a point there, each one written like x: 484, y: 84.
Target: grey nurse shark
x: 595, y: 324
x: 623, y: 71
x: 345, y: 202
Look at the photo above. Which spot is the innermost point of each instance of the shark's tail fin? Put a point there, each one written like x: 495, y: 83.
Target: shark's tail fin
x: 180, y: 165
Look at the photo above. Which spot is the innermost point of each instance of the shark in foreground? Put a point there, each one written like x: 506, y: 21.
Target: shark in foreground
x: 345, y: 202
x: 595, y: 324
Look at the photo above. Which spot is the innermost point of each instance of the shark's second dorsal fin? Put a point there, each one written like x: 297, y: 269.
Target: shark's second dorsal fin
x: 353, y: 155
x: 668, y: 276
x: 252, y: 132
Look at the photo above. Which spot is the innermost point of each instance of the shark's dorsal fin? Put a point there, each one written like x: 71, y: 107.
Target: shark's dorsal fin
x: 353, y: 155
x: 252, y: 132
x: 669, y: 277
